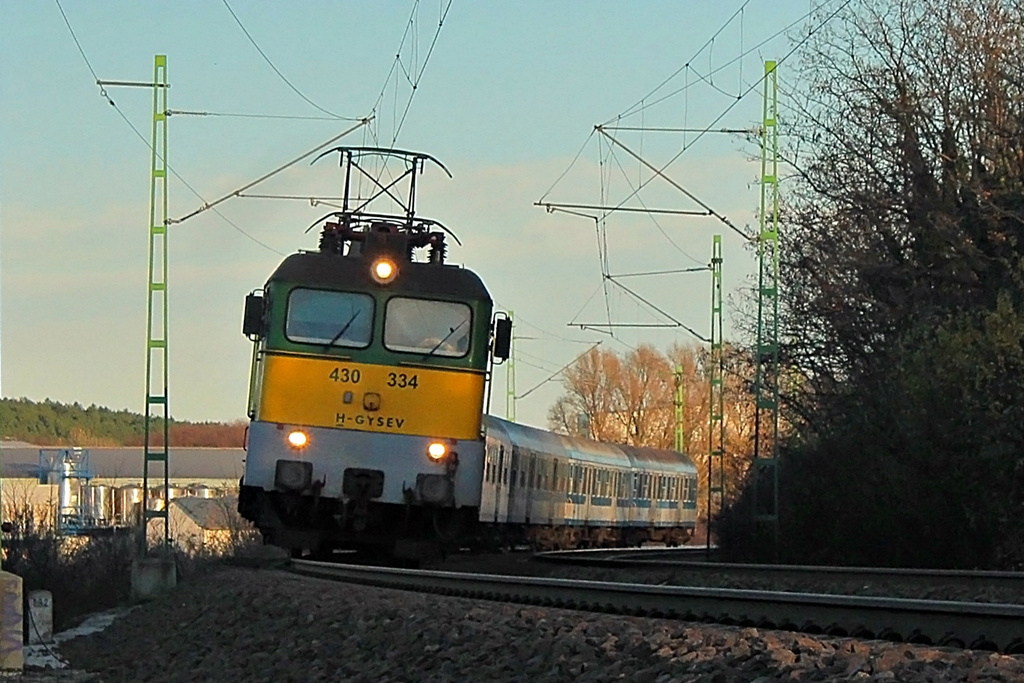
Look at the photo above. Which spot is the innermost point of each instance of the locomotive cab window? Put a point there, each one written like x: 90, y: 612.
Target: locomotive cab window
x: 317, y: 316
x: 432, y: 328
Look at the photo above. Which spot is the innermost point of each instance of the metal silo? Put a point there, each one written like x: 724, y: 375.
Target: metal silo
x: 128, y: 504
x: 97, y: 505
x: 201, y: 491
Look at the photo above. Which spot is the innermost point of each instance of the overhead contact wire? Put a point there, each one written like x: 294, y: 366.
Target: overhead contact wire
x: 557, y: 372
x: 146, y: 142
x: 730, y: 107
x: 272, y: 66
x: 630, y: 110
x: 423, y: 68
x: 658, y: 225
x: 687, y: 67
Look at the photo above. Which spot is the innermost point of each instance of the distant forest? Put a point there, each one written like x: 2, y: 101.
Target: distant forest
x: 50, y: 423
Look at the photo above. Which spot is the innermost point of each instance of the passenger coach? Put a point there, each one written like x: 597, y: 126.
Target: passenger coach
x: 558, y: 491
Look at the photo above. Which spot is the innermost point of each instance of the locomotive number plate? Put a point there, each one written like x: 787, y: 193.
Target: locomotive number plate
x: 377, y: 398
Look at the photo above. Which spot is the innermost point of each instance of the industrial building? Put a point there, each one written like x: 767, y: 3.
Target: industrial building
x: 95, y: 490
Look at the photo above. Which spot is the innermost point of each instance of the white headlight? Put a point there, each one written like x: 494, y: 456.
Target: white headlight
x: 436, y: 451
x: 383, y: 270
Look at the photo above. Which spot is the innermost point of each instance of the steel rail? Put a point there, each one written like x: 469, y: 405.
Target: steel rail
x: 672, y: 558
x: 985, y: 626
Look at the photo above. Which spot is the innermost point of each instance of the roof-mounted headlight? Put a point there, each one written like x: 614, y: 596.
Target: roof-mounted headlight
x: 383, y: 270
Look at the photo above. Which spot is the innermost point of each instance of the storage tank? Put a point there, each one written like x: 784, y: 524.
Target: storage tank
x: 156, y: 496
x: 155, y: 499
x: 97, y: 505
x: 201, y: 491
x: 128, y: 504
x: 69, y: 492
x: 68, y: 470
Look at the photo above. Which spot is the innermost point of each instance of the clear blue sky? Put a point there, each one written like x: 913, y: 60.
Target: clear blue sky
x: 509, y: 95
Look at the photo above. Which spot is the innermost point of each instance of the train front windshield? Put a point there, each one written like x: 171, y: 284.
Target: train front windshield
x: 438, y: 328
x: 317, y: 316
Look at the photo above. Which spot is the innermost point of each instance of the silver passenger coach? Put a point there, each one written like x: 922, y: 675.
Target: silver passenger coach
x: 570, y: 492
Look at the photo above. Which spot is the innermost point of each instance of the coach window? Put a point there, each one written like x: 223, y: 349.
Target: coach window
x: 317, y: 316
x: 431, y: 328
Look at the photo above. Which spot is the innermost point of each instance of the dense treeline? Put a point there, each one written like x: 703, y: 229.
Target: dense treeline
x: 50, y: 423
x: 903, y: 291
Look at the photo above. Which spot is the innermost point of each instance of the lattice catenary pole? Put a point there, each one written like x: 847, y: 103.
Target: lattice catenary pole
x: 766, y: 381
x: 680, y: 403
x: 156, y: 455
x: 716, y: 402
x: 510, y: 377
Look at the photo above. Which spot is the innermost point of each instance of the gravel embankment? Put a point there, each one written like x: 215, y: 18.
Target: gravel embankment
x: 243, y: 625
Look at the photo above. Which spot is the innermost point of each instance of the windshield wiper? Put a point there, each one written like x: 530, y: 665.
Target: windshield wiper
x: 451, y: 331
x: 343, y: 329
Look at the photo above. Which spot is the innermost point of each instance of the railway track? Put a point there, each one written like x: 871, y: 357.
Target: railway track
x: 982, y: 626
x: 688, y: 559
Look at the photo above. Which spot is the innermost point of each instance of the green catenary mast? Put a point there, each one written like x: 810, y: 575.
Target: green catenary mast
x: 156, y: 455
x: 510, y: 378
x: 680, y: 403
x: 716, y: 403
x: 766, y: 381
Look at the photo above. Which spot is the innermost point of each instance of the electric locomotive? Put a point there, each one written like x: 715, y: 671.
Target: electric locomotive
x: 370, y: 367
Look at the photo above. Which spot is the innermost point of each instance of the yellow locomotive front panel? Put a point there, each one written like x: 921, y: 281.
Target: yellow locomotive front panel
x: 395, y: 399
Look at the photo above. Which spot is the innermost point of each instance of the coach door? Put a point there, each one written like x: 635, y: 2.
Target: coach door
x: 532, y: 484
x: 555, y: 506
x: 488, y: 510
x: 501, y: 487
x: 515, y: 490
x: 576, y: 495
